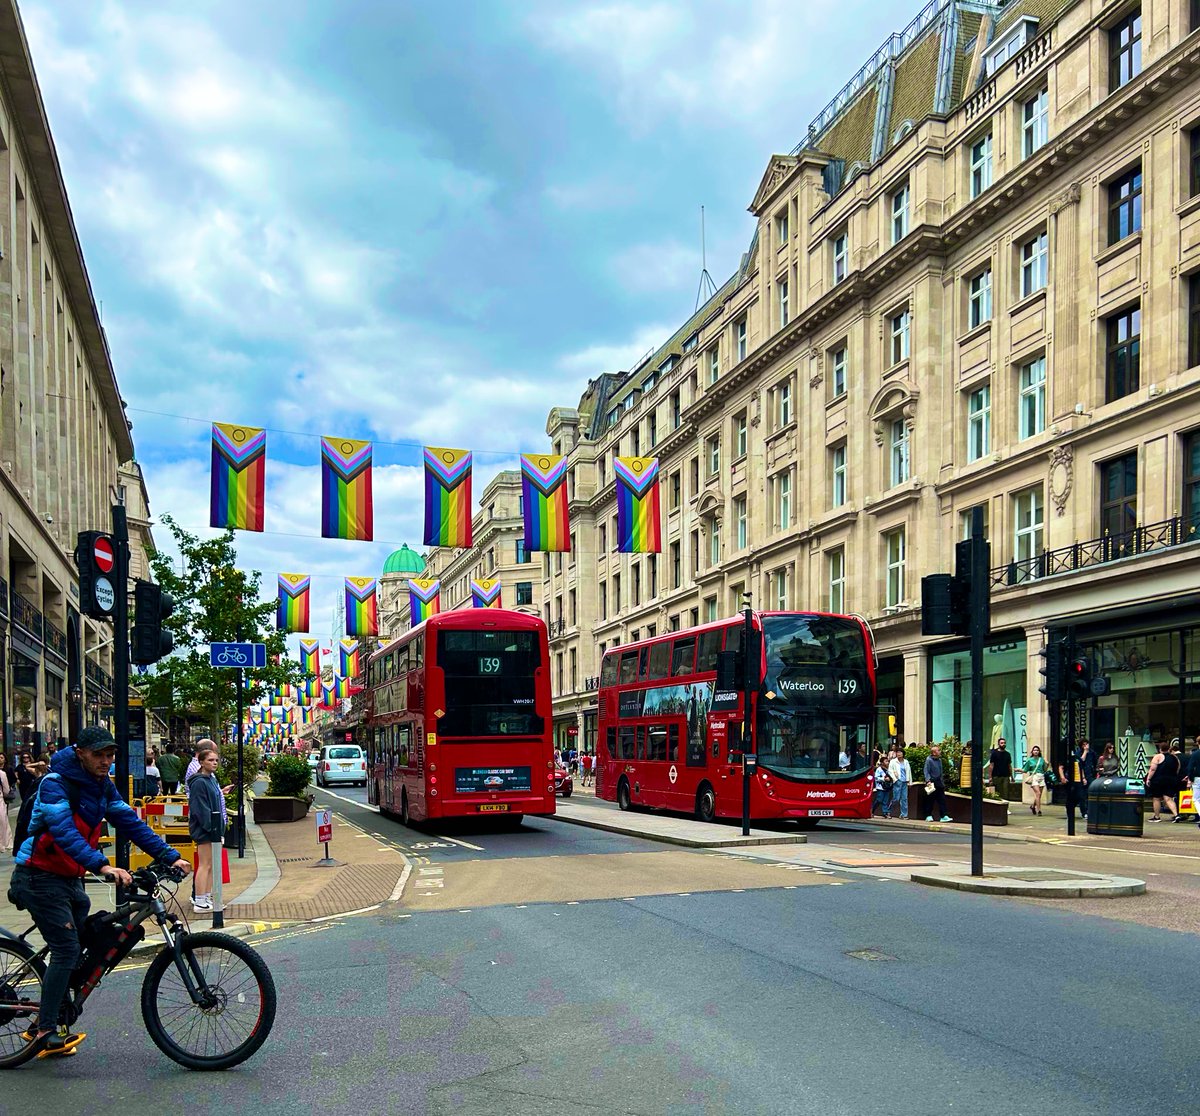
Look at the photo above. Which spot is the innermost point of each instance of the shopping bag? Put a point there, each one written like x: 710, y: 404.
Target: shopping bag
x: 224, y: 863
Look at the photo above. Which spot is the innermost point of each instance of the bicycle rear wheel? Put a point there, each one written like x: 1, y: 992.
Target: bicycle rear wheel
x: 20, y: 997
x: 238, y: 1009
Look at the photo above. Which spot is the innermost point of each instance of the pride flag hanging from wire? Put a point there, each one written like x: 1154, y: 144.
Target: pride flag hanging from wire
x: 362, y: 612
x: 342, y: 687
x: 639, y: 526
x: 485, y: 593
x: 326, y: 696
x: 346, y: 511
x: 292, y: 613
x: 447, y: 497
x: 348, y: 658
x: 424, y: 599
x: 544, y: 495
x: 310, y: 656
x: 239, y: 473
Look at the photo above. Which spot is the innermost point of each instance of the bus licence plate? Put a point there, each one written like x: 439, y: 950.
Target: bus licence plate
x: 494, y: 808
x: 820, y: 813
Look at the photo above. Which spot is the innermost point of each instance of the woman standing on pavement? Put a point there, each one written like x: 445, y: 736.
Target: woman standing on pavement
x: 5, y: 830
x: 206, y: 825
x: 1109, y: 763
x: 1035, y: 768
x: 1162, y: 781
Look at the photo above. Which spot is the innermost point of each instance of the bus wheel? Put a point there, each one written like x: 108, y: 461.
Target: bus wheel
x: 706, y: 803
x: 404, y: 807
x: 623, y: 799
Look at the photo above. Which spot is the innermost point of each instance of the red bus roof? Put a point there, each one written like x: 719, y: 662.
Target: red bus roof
x: 469, y: 619
x: 738, y: 618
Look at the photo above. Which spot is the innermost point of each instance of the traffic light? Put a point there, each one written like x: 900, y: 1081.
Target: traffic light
x: 1054, y: 654
x: 151, y: 607
x: 95, y: 556
x: 1079, y: 677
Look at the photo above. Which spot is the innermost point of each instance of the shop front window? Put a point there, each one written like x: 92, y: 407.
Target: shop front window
x: 1003, y: 696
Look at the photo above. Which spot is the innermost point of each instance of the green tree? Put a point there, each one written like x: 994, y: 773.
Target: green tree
x: 215, y: 602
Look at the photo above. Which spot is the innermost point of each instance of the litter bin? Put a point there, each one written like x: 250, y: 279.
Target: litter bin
x: 1116, y: 807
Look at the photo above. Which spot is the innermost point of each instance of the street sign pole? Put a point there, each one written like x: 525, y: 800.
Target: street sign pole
x: 980, y: 620
x: 241, y: 790
x: 120, y: 535
x: 1068, y: 768
x: 748, y: 762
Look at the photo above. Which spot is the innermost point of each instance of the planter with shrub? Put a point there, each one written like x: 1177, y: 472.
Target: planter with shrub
x: 287, y: 797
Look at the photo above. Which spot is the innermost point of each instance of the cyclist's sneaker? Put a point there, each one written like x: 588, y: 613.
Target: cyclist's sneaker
x: 30, y: 1033
x: 60, y: 1045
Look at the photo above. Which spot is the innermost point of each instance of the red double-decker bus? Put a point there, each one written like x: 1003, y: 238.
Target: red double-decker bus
x: 671, y: 737
x: 459, y: 718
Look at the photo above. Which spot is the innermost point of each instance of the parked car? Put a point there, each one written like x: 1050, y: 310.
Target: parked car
x: 563, y: 784
x: 342, y: 763
x: 313, y: 759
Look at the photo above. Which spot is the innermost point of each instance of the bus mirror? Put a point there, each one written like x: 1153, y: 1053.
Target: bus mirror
x: 729, y: 670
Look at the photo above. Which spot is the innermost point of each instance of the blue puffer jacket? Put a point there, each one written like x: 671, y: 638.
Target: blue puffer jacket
x: 66, y: 844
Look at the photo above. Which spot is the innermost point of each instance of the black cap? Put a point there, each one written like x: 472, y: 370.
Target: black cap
x: 95, y: 738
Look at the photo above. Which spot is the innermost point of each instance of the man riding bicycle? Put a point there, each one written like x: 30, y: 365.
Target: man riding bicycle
x: 73, y: 801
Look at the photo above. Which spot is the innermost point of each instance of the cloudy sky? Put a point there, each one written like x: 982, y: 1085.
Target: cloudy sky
x: 418, y: 223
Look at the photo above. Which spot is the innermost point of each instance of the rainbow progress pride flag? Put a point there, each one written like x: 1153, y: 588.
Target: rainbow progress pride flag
x: 447, y: 497
x: 346, y: 510
x: 239, y: 474
x: 424, y: 599
x: 544, y: 494
x: 292, y: 613
x: 639, y: 526
x: 310, y: 656
x: 485, y: 593
x: 347, y: 658
x: 362, y: 612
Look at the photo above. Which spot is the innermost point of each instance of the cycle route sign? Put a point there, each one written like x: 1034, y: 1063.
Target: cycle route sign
x: 235, y: 655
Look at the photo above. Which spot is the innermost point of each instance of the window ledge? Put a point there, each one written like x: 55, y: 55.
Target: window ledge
x: 896, y: 369
x: 976, y: 332
x: 1127, y: 244
x: 1023, y: 304
x: 1188, y: 205
x: 791, y: 426
x: 907, y: 492
x: 836, y: 401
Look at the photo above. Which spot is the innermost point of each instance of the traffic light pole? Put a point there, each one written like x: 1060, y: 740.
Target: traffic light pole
x: 120, y: 536
x: 749, y: 763
x: 1069, y: 766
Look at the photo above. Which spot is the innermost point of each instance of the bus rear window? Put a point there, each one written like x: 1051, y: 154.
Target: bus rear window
x: 490, y: 687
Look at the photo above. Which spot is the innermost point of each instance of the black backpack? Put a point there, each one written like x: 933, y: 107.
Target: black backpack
x: 25, y: 814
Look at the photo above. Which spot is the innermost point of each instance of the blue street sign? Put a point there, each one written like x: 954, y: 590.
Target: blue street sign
x: 237, y: 654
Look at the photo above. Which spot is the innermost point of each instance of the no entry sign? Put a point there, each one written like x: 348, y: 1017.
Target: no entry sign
x: 102, y: 554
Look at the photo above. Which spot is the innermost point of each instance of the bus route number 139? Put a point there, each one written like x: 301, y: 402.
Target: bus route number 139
x: 847, y: 685
x: 489, y: 664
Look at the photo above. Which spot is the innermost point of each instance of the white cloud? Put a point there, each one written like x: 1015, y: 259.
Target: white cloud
x: 616, y: 356
x: 657, y: 267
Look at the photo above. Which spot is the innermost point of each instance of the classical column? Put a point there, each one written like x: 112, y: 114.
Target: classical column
x: 1064, y: 346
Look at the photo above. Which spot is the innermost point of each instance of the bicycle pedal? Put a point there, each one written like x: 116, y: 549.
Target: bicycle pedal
x: 66, y: 1050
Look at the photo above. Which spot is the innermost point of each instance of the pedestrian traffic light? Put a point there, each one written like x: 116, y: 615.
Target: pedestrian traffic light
x: 151, y: 607
x: 95, y: 557
x: 1079, y: 677
x: 1054, y: 656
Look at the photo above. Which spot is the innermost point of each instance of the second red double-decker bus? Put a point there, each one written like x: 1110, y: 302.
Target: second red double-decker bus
x: 670, y: 738
x: 459, y: 718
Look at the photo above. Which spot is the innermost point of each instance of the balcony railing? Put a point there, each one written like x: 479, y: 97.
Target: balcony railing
x: 1098, y: 552
x: 56, y: 640
x: 3, y: 597
x: 592, y: 683
x: 557, y: 628
x: 26, y: 617
x: 98, y: 678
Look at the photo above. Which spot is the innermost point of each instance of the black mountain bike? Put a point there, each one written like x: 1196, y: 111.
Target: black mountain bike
x: 208, y: 1000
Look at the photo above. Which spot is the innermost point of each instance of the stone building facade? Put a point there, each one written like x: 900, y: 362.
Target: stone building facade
x: 64, y: 434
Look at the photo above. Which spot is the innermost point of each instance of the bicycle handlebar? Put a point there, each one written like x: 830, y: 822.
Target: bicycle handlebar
x: 148, y: 878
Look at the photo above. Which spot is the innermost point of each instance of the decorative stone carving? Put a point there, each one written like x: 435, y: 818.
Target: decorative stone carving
x: 815, y: 381
x: 1061, y: 477
x: 1066, y: 198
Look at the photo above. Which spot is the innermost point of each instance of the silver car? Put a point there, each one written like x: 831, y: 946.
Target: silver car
x: 341, y: 763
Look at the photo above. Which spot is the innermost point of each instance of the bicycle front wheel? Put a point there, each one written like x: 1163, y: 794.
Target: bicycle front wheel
x: 236, y: 1011
x: 21, y: 977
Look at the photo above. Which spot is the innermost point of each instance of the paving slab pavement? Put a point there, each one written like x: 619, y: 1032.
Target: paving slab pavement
x: 1039, y: 883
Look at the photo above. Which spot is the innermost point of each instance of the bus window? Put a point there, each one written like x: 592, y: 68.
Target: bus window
x: 683, y: 658
x: 628, y: 667
x: 660, y: 655
x: 643, y: 661
x: 641, y: 742
x: 416, y: 653
x: 656, y: 742
x: 627, y: 743
x: 710, y: 644
x: 673, y: 743
x: 608, y: 669
x: 610, y: 742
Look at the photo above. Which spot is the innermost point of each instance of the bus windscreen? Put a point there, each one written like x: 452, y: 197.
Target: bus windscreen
x: 816, y: 659
x: 490, y: 688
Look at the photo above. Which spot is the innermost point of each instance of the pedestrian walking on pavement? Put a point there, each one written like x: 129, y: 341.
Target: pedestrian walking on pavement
x: 883, y: 789
x: 206, y: 825
x: 1162, y: 782
x: 1000, y: 768
x: 901, y: 772
x: 1036, y: 769
x: 170, y: 770
x: 935, y: 778
x: 5, y: 828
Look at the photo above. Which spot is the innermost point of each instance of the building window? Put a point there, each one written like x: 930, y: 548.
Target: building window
x: 714, y: 455
x: 900, y: 326
x: 695, y: 552
x: 838, y: 471
x: 894, y: 544
x: 966, y: 518
x: 635, y: 583
x: 979, y: 423
x: 602, y: 535
x: 522, y: 553
x: 781, y: 589
x: 981, y: 165
x: 1118, y: 499
x: 781, y: 228
x: 524, y: 592
x: 740, y: 335
x: 1125, y: 51
x: 783, y: 499
x: 1027, y: 531
x: 1125, y: 205
x: 979, y: 302
x: 837, y: 372
x: 1193, y: 321
x: 1035, y: 256
x: 784, y: 392
x: 783, y: 303
x: 603, y: 600
x: 710, y: 610
x: 900, y: 214
x: 676, y: 410
x: 714, y: 358
x: 635, y: 441
x: 676, y: 565
x: 694, y: 469
x: 739, y: 522
x: 841, y: 256
x: 1035, y: 123
x: 1191, y: 484
x: 1033, y: 398
x: 616, y: 584
x: 714, y: 542
x: 900, y: 461
x: 1123, y: 362
x: 652, y: 431
x: 1194, y: 160
x: 676, y: 490
x: 739, y: 435
x: 835, y: 565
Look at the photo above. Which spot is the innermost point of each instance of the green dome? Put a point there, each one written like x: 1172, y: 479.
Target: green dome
x: 404, y: 561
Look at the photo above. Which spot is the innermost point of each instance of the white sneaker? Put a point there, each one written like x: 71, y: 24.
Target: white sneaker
x: 930, y: 818
x: 201, y: 905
